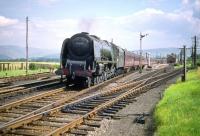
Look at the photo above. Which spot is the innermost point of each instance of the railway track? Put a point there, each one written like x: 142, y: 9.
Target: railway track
x: 27, y: 106
x: 63, y: 117
x: 29, y: 84
x: 7, y: 94
x: 11, y: 93
x: 37, y: 103
x: 8, y: 80
x: 4, y: 84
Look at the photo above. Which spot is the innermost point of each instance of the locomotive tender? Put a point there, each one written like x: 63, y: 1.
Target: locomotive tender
x: 89, y: 60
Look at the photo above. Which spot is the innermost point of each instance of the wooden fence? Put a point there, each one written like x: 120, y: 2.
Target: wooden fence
x: 12, y: 66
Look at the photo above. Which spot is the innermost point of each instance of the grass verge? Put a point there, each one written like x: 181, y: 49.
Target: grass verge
x: 9, y: 73
x: 178, y: 113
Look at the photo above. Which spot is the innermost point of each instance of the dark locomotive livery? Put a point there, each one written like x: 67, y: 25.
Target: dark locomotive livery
x: 89, y: 60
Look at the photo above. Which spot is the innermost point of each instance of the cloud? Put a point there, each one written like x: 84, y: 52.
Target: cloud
x: 197, y: 4
x: 7, y: 21
x: 185, y: 1
x: 166, y: 29
x: 47, y: 2
x: 192, y: 5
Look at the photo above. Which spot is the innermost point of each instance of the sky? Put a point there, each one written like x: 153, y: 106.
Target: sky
x: 168, y: 23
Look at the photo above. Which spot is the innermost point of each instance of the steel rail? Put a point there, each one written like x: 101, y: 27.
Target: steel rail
x: 23, y: 89
x: 30, y: 83
x: 39, y: 116
x: 26, y: 77
x: 35, y: 115
x: 26, y: 85
x: 94, y: 112
x: 59, y: 102
x: 28, y: 99
x: 53, y: 104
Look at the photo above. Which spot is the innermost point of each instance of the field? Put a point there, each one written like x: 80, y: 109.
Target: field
x: 177, y: 114
x: 20, y: 72
x: 18, y: 68
x: 51, y: 63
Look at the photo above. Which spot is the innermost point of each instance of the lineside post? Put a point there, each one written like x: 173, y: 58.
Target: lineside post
x: 184, y: 64
x: 192, y: 56
x: 27, y: 45
x: 140, y: 61
x: 181, y: 56
x: 195, y: 51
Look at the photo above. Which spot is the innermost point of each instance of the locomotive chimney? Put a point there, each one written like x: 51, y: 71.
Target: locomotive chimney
x: 84, y: 32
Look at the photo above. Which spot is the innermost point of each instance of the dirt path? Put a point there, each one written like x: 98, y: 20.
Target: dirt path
x: 125, y: 126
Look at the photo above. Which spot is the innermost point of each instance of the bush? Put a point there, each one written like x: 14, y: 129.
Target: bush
x: 35, y: 66
x: 55, y: 66
x: 32, y: 66
x: 176, y: 64
x: 198, y: 64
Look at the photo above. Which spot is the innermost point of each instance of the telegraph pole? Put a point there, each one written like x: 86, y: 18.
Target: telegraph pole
x: 195, y: 51
x: 192, y: 56
x: 148, y: 59
x: 140, y: 53
x: 27, y: 45
x: 181, y: 56
x: 112, y: 40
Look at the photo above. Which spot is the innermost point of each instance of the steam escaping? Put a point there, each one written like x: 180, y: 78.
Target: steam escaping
x: 85, y: 25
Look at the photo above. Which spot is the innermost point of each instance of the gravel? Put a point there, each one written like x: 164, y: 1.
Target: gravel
x: 126, y: 126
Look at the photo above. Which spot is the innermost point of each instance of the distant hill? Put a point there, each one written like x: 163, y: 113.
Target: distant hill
x: 48, y: 58
x: 16, y: 52
x: 11, y: 52
x: 4, y: 57
x: 163, y: 52
x: 53, y: 56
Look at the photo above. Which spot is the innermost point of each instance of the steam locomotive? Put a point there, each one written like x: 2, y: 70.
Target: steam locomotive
x: 88, y: 60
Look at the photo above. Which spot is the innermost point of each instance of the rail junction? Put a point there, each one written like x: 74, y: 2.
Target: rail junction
x: 64, y: 111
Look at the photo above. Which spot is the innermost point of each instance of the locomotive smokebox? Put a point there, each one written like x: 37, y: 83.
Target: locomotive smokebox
x: 80, y: 47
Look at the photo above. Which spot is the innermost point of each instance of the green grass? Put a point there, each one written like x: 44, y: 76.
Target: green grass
x: 178, y: 113
x: 178, y: 66
x: 51, y: 63
x: 181, y: 66
x: 20, y: 72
